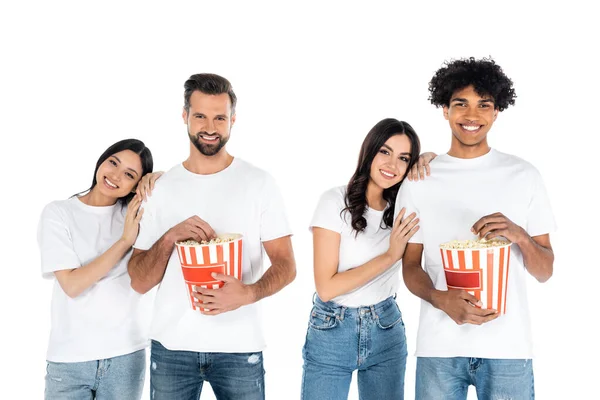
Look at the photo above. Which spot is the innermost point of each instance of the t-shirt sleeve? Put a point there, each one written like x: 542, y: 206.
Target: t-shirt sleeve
x: 55, y: 242
x: 540, y: 219
x: 328, y: 212
x: 273, y: 219
x: 405, y: 198
x: 148, y: 233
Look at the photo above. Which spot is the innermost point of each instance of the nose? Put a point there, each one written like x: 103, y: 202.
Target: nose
x: 113, y: 178
x: 472, y: 114
x: 210, y: 127
x: 394, y: 167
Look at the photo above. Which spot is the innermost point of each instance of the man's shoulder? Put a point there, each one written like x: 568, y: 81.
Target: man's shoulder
x: 251, y: 175
x: 516, y: 164
x: 511, y: 159
x: 249, y: 169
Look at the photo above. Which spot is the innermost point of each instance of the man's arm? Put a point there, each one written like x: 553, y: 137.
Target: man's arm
x: 147, y: 267
x: 281, y: 272
x: 538, y: 256
x: 458, y: 304
x: 235, y: 294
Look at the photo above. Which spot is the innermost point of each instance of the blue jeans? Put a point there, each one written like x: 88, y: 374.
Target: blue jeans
x: 449, y: 378
x: 179, y: 375
x: 112, y: 378
x: 340, y: 340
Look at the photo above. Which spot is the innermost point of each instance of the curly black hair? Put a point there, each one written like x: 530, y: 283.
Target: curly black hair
x: 486, y: 77
x: 356, y: 192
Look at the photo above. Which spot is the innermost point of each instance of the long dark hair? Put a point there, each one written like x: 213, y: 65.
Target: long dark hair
x: 135, y: 145
x: 356, y: 193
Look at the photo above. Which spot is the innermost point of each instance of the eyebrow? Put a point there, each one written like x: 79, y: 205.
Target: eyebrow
x: 463, y: 100
x: 131, y: 169
x: 218, y: 115
x: 392, y: 150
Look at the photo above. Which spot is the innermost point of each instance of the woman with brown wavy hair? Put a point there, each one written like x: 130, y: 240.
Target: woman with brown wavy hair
x: 355, y: 323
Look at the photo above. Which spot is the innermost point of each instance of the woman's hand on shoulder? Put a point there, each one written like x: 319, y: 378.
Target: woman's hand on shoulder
x: 146, y: 184
x: 421, y: 167
x: 402, y: 231
x: 132, y: 220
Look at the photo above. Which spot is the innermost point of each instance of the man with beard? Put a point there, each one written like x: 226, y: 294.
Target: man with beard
x: 210, y: 193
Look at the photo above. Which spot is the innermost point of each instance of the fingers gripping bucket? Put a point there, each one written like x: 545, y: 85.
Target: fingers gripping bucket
x: 482, y: 272
x: 199, y: 261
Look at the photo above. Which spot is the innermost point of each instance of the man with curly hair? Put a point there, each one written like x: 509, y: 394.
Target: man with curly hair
x: 475, y: 191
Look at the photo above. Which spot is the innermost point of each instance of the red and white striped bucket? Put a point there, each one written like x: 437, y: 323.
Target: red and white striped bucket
x: 482, y: 272
x: 199, y: 261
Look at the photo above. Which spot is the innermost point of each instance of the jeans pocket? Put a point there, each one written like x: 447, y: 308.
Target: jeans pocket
x: 321, y: 319
x: 389, y: 316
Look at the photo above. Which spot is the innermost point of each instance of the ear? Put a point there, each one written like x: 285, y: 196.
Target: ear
x: 233, y: 119
x: 445, y: 108
x: 184, y: 115
x: 496, y: 114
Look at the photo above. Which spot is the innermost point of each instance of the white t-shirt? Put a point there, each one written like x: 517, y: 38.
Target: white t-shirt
x: 108, y: 319
x: 357, y: 250
x: 456, y: 195
x: 240, y: 199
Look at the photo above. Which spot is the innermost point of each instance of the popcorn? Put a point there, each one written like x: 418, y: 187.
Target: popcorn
x: 211, y: 241
x: 473, y: 244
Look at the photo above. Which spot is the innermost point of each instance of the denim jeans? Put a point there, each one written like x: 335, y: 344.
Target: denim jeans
x: 340, y: 340
x: 449, y: 378
x: 179, y: 375
x: 109, y: 379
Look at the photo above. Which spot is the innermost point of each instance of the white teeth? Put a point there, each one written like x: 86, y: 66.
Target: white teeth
x: 471, y: 127
x: 387, y: 173
x: 209, y: 137
x: 109, y: 183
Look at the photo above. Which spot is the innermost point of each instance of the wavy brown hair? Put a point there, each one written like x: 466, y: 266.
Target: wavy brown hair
x: 356, y: 193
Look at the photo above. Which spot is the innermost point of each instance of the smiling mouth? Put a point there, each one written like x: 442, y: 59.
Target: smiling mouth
x: 387, y: 174
x: 209, y: 138
x: 471, y: 128
x: 110, y: 184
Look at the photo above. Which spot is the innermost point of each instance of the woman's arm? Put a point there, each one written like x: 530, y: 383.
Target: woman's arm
x: 75, y: 281
x: 330, y: 283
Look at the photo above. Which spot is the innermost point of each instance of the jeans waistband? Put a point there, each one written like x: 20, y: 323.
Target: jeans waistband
x: 340, y: 311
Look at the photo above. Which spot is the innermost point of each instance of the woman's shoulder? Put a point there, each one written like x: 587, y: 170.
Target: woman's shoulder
x: 59, y: 207
x: 335, y: 195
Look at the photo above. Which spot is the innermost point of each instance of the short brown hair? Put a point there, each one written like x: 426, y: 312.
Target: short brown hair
x: 208, y: 84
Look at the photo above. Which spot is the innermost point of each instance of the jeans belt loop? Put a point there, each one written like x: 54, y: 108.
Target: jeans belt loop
x: 342, y: 312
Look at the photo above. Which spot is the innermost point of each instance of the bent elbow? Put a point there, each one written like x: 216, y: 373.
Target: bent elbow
x: 324, y: 295
x: 292, y: 273
x: 138, y: 287
x: 71, y: 292
x: 544, y: 278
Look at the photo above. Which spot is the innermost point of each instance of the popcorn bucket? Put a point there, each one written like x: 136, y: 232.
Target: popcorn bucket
x: 482, y: 272
x: 199, y: 261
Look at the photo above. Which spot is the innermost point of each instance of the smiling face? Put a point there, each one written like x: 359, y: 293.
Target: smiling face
x: 209, y: 121
x: 118, y: 175
x: 471, y: 116
x: 391, y: 162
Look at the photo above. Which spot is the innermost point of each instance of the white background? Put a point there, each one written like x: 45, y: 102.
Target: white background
x: 312, y: 79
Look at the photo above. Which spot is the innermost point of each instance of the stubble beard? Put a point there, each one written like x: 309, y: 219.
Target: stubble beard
x: 207, y: 149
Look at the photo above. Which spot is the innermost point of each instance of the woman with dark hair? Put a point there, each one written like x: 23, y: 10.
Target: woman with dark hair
x: 98, y: 336
x: 355, y: 323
